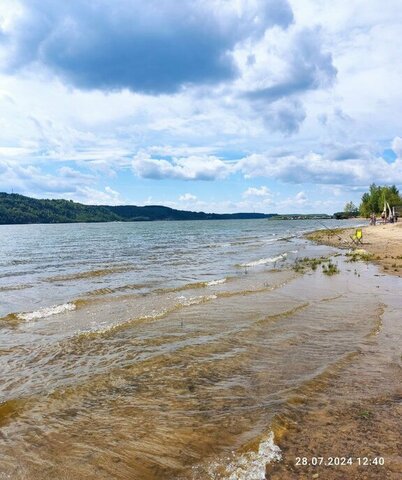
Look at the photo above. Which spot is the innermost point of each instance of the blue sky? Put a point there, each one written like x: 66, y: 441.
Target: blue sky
x: 214, y: 105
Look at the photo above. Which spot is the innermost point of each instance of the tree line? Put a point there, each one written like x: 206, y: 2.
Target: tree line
x: 19, y: 209
x: 373, y: 201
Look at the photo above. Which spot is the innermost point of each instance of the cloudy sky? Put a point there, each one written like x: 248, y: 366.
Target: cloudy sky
x: 214, y: 105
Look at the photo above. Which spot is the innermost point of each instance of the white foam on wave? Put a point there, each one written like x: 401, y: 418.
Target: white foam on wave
x: 46, y: 312
x: 216, y: 282
x: 187, y: 301
x: 249, y: 465
x: 264, y: 261
x: 269, y: 240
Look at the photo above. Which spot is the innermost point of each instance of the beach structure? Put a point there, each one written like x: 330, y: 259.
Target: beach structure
x: 357, y: 237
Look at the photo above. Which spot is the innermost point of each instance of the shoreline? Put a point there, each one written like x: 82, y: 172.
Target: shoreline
x: 359, y: 420
x: 226, y: 363
x: 381, y: 244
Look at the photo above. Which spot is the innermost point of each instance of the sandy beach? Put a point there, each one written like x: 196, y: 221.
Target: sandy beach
x: 357, y: 412
x: 382, y: 242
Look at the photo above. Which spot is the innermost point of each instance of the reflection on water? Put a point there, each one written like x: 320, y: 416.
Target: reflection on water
x: 182, y: 377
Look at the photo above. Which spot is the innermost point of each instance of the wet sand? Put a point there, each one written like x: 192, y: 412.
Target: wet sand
x: 360, y: 419
x: 347, y: 419
x: 383, y: 242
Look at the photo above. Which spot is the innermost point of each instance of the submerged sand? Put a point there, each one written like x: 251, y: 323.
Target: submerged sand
x: 348, y: 418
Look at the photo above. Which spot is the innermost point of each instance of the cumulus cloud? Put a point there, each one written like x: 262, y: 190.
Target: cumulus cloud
x: 353, y: 151
x: 29, y: 178
x: 321, y: 169
x: 300, y: 198
x: 257, y: 192
x: 284, y: 66
x: 285, y: 115
x: 236, y: 77
x: 155, y: 46
x: 188, y: 197
x: 187, y: 168
x: 67, y: 183
x: 306, y: 67
x: 397, y: 147
x: 353, y: 165
x: 92, y: 196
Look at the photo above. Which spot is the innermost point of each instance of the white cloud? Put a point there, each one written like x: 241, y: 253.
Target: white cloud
x: 335, y: 131
x: 29, y: 179
x: 92, y: 196
x: 187, y: 197
x: 257, y: 192
x: 319, y: 169
x: 187, y: 168
x: 300, y: 198
x: 397, y: 147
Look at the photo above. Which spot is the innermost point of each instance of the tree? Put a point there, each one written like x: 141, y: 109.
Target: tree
x: 351, y: 209
x: 373, y: 201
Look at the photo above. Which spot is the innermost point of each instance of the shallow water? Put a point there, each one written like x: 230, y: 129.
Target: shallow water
x: 166, y: 350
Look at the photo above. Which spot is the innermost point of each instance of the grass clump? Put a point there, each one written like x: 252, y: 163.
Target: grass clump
x: 330, y: 268
x: 302, y: 265
x: 321, y: 236
x: 365, y: 414
x: 359, y: 256
x: 306, y: 263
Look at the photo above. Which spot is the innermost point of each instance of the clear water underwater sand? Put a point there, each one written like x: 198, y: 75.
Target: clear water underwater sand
x: 166, y: 349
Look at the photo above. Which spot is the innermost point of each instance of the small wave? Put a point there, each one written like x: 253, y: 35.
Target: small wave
x: 216, y: 282
x: 10, y: 288
x: 102, y: 329
x: 185, y: 301
x: 90, y: 274
x: 286, y: 313
x: 264, y: 261
x: 180, y: 288
x: 18, y: 273
x: 122, y: 288
x: 218, y: 245
x: 269, y: 240
x: 250, y: 465
x: 46, y: 312
x: 286, y: 239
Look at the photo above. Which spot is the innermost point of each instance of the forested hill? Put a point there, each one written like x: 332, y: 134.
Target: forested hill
x: 17, y: 209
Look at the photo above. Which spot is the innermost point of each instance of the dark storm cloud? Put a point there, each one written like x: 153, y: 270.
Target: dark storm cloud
x: 152, y: 46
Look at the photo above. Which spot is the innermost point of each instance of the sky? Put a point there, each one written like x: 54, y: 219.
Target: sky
x: 209, y: 105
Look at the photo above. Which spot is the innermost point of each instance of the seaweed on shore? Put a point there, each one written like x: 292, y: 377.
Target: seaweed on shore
x: 302, y: 265
x: 330, y: 268
x: 359, y: 255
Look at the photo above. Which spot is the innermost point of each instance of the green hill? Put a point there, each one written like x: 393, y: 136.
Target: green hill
x: 18, y: 209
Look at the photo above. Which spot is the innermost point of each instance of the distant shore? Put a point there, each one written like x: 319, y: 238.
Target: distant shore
x: 383, y: 243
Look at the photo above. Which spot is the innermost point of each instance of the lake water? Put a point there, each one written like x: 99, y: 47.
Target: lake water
x: 166, y: 349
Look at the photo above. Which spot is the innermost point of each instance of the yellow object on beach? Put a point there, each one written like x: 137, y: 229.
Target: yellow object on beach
x: 357, y: 237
